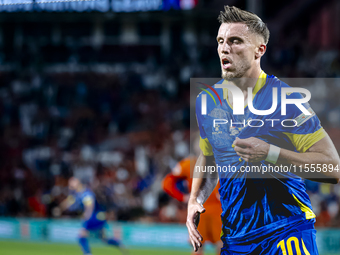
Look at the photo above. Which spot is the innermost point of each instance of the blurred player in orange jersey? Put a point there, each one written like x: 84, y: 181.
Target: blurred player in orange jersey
x: 210, y: 224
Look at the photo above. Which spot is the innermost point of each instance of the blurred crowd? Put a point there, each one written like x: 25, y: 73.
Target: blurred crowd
x: 125, y: 125
x: 97, y: 127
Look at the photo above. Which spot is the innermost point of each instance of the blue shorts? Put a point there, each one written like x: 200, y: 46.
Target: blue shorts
x: 93, y: 224
x: 285, y: 241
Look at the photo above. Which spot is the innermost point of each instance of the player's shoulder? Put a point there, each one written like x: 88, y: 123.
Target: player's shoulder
x: 210, y: 97
x: 87, y: 193
x: 210, y: 91
x: 274, y: 82
x: 88, y: 197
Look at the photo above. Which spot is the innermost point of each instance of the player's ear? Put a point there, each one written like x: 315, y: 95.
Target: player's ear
x: 260, y: 50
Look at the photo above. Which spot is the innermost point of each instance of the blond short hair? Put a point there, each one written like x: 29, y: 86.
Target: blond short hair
x: 233, y: 14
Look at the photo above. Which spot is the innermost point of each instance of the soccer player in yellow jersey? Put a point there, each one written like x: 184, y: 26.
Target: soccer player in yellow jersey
x: 269, y: 213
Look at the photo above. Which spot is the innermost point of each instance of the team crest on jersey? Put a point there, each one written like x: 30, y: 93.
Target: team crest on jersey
x: 217, y: 130
x: 302, y: 118
x: 234, y: 131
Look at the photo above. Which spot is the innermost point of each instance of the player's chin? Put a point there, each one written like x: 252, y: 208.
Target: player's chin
x: 224, y: 74
x: 227, y: 74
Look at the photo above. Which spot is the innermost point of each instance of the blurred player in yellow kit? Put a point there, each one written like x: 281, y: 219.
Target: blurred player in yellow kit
x: 210, y: 225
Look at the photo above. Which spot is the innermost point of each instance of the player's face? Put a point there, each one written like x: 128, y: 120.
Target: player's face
x: 236, y: 49
x: 73, y: 184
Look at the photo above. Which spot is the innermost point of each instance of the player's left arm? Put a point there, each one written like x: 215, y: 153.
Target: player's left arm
x: 322, y: 152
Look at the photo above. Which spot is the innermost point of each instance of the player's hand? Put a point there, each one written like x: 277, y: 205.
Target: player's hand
x: 251, y: 149
x: 194, y: 211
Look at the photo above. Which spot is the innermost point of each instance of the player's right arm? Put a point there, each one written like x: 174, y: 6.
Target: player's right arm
x: 88, y: 202
x: 67, y: 203
x: 202, y: 187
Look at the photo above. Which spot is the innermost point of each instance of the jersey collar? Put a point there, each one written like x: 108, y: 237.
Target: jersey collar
x: 261, y: 81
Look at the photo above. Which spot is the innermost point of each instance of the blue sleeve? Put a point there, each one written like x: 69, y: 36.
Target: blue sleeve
x: 302, y: 130
x: 74, y: 202
x: 199, y: 116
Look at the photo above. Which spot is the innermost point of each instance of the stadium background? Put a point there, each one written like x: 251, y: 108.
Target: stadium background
x: 101, y: 90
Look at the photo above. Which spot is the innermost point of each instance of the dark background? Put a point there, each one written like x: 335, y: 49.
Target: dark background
x: 105, y: 96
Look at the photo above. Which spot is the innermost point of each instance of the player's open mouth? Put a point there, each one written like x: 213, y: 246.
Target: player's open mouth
x: 226, y: 63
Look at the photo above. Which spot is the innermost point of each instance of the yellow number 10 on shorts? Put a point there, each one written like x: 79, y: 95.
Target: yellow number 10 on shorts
x: 287, y: 246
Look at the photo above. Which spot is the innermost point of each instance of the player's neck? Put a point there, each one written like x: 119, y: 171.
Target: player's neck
x: 248, y: 80
x: 80, y: 188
